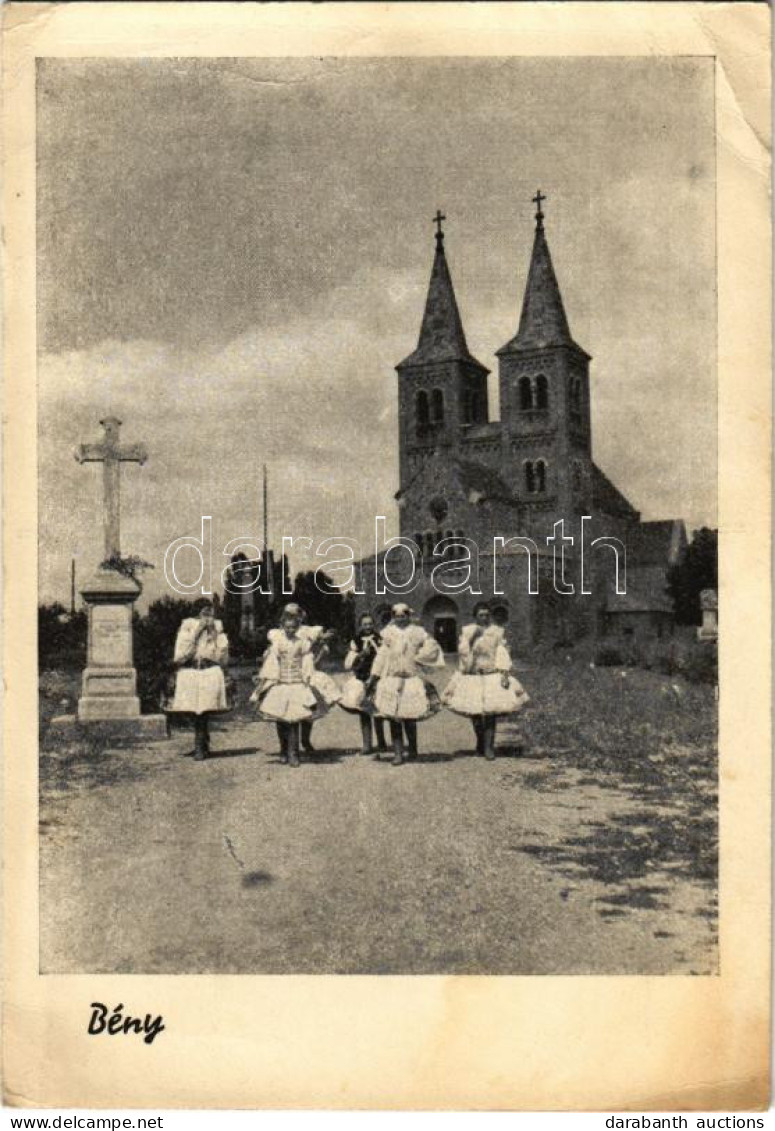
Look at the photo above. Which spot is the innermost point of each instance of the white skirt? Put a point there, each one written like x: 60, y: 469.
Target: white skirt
x: 289, y: 703
x: 199, y: 690
x: 473, y: 695
x: 326, y: 688
x: 406, y: 698
x: 355, y: 699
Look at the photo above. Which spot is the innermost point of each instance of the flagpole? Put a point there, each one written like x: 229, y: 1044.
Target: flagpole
x: 267, y: 563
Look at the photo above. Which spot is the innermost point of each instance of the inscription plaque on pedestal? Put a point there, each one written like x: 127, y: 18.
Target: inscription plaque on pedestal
x: 109, y: 681
x: 110, y: 639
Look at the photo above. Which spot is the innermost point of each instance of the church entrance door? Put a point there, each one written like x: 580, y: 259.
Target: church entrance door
x: 440, y: 616
x: 445, y: 631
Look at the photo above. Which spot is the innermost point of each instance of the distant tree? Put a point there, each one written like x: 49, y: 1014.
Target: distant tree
x: 163, y: 619
x: 240, y: 572
x: 245, y: 579
x: 61, y: 637
x: 697, y: 570
x: 281, y: 582
x: 268, y: 607
x: 348, y: 616
x: 324, y: 603
x: 51, y: 612
x: 320, y: 604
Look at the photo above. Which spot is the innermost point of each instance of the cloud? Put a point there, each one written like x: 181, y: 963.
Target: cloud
x: 315, y: 403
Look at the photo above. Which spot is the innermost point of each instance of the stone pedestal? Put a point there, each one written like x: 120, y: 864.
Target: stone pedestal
x: 109, y: 699
x: 709, y: 605
x: 109, y: 689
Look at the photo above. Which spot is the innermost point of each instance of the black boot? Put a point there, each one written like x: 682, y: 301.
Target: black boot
x: 200, y: 738
x: 365, y: 733
x: 398, y: 742
x: 379, y: 730
x: 410, y: 726
x: 489, y: 738
x: 306, y: 736
x: 478, y: 724
x: 293, y: 745
x: 282, y: 734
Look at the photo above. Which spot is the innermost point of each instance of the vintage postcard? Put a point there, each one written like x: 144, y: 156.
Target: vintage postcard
x: 387, y: 543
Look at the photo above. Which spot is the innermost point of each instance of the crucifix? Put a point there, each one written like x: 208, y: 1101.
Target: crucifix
x: 538, y: 199
x: 437, y: 220
x: 111, y: 455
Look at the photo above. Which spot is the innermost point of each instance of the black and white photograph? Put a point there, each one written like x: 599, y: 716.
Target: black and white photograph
x: 387, y: 548
x: 377, y: 529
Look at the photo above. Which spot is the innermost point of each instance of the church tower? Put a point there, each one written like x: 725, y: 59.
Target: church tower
x: 544, y: 397
x: 441, y: 387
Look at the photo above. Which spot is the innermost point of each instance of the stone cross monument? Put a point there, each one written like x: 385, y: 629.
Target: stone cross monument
x: 111, y: 455
x: 109, y: 689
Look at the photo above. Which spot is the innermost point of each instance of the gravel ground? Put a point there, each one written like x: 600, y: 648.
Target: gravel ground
x: 592, y: 851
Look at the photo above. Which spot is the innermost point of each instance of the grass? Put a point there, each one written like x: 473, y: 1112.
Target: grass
x: 650, y: 735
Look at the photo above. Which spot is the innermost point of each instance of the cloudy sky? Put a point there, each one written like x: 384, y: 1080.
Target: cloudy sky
x: 233, y: 255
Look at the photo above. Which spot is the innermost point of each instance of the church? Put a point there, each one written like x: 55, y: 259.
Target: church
x: 466, y: 477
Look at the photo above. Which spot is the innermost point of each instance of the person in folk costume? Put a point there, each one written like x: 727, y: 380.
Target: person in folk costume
x: 201, y: 654
x: 286, y: 693
x: 483, y: 688
x: 319, y: 638
x: 360, y: 660
x: 400, y: 693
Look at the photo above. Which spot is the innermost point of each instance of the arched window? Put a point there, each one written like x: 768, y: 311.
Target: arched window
x: 421, y: 412
x: 468, y: 412
x: 577, y: 476
x: 539, y: 471
x: 525, y: 394
x: 476, y: 408
x: 429, y: 543
x: 418, y: 541
x: 437, y: 407
x: 542, y: 391
x: 449, y: 551
x: 529, y: 478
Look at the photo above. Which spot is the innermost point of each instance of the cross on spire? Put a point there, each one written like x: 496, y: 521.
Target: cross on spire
x: 437, y: 220
x: 111, y: 455
x: 538, y: 200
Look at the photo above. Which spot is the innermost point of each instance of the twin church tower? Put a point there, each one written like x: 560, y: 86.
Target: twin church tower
x: 466, y: 476
x: 542, y: 446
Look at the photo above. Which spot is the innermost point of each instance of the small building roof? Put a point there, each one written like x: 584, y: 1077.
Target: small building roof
x: 657, y: 543
x: 609, y: 499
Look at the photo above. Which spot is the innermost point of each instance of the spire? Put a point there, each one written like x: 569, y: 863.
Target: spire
x: 543, y: 321
x: 441, y: 335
